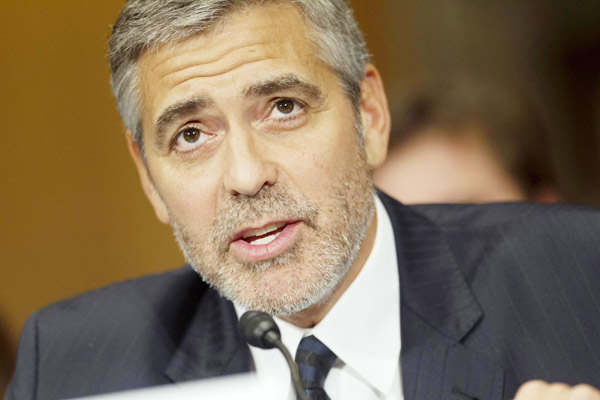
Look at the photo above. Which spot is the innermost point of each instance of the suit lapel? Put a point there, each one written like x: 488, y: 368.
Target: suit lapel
x: 211, y: 345
x: 435, y: 366
x: 438, y: 310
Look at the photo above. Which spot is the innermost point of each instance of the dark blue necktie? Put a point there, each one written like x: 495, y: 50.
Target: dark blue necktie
x: 314, y: 361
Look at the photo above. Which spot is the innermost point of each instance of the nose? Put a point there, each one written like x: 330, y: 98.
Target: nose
x: 248, y: 168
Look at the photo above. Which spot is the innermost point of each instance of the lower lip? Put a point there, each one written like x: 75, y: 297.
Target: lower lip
x: 263, y: 252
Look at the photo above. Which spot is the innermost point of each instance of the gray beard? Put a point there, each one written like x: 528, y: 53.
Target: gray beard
x: 307, y: 273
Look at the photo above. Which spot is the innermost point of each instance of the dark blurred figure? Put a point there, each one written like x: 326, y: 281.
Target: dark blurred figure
x: 6, y: 360
x: 464, y: 141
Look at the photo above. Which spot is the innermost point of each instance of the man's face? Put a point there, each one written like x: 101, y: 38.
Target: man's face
x: 253, y: 157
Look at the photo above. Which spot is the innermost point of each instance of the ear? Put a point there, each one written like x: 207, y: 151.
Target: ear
x: 375, y: 116
x: 149, y: 189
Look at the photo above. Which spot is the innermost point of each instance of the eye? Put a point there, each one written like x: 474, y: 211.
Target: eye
x: 191, y: 135
x: 285, y: 110
x: 285, y: 106
x: 188, y: 138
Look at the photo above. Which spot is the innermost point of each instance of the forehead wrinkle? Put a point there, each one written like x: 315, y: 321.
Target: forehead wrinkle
x: 178, y: 110
x: 192, y: 72
x: 172, y: 55
x: 177, y: 48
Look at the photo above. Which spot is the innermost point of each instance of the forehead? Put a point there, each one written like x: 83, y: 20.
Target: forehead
x: 251, y: 43
x: 249, y: 29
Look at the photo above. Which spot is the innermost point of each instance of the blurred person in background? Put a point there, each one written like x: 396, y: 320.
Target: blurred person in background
x: 467, y: 141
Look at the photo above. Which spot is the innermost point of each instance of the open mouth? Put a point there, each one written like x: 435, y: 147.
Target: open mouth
x: 271, y: 240
x: 264, y: 235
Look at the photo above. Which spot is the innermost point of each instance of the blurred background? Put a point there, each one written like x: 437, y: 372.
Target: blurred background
x: 73, y: 215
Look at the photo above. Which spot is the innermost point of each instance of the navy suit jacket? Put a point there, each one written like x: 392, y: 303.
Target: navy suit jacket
x: 491, y: 296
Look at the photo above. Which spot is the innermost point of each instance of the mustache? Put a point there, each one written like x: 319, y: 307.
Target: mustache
x: 277, y: 202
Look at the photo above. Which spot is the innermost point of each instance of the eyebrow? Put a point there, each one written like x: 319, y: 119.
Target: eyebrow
x: 282, y: 83
x: 268, y: 87
x: 177, y: 111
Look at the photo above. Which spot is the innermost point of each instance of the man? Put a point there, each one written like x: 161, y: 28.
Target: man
x: 467, y: 141
x: 255, y: 126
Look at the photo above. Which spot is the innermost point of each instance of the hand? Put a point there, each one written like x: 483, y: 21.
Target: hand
x: 540, y: 390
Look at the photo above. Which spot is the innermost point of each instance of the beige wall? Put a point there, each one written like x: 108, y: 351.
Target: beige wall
x: 73, y: 216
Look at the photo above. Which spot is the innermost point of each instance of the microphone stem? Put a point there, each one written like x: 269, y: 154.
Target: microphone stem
x: 293, y: 370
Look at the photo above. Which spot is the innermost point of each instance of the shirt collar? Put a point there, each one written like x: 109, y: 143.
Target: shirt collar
x: 373, y: 301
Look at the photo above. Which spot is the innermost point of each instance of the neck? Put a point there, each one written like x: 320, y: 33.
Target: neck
x: 311, y: 316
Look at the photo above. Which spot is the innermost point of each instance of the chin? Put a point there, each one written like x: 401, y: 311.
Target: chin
x: 278, y: 290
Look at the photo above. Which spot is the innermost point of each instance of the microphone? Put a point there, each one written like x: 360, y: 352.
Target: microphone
x: 260, y: 330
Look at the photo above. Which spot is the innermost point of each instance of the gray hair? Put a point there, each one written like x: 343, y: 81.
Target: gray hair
x: 146, y: 24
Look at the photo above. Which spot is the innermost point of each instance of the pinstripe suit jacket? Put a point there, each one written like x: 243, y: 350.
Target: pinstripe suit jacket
x: 491, y: 296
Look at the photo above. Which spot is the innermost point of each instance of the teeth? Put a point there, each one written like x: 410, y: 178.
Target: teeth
x: 265, y: 240
x: 263, y: 231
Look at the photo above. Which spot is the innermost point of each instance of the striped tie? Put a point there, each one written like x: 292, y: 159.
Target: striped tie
x: 314, y: 361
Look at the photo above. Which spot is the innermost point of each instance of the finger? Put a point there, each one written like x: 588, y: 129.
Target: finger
x: 540, y: 390
x: 556, y: 391
x: 584, y: 392
x: 532, y: 390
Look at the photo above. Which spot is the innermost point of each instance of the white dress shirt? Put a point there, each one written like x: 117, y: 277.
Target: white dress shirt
x: 362, y: 329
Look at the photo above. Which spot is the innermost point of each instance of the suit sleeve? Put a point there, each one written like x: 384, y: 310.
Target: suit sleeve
x: 24, y: 381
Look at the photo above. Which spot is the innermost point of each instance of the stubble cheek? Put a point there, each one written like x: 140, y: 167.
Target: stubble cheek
x: 190, y: 200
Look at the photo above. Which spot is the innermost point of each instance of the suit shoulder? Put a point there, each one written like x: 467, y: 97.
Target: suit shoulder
x: 506, y: 214
x: 132, y: 326
x: 128, y: 302
x: 155, y: 283
x: 475, y: 231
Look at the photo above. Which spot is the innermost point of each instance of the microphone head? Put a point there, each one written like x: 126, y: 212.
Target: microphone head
x: 259, y: 329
